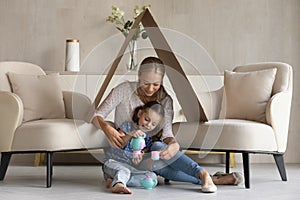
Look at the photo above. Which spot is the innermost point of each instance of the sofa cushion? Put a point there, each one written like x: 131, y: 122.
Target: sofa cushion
x: 229, y: 134
x: 246, y: 94
x: 58, y: 134
x: 41, y: 95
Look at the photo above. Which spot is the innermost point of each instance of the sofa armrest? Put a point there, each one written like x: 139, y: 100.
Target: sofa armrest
x: 77, y: 105
x: 211, y: 102
x: 11, y: 109
x: 278, y: 116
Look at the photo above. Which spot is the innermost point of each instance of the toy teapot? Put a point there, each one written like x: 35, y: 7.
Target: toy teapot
x: 137, y: 144
x: 148, y: 183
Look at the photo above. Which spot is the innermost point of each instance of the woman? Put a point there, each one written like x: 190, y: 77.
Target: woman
x: 128, y: 95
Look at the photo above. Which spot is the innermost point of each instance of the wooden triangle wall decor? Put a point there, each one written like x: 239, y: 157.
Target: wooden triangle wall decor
x: 183, y: 89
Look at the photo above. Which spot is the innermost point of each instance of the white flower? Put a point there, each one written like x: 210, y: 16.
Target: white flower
x: 117, y: 18
x: 117, y: 13
x: 137, y: 10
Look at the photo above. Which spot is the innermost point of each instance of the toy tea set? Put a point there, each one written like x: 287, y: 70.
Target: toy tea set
x: 137, y: 144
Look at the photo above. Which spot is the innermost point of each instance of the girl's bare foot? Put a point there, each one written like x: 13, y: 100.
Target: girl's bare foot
x: 121, y: 189
x: 109, y: 182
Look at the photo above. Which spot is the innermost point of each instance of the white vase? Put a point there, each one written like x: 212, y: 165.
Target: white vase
x: 72, y: 62
x: 132, y: 63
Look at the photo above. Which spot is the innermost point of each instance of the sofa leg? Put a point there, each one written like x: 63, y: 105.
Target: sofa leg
x: 227, y: 162
x: 49, y: 168
x: 246, y: 169
x: 5, y: 158
x: 280, y: 165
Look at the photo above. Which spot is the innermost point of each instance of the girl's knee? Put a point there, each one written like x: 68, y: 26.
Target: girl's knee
x: 152, y: 175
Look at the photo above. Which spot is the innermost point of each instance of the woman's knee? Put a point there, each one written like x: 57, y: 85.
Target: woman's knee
x: 167, y: 172
x: 157, y: 146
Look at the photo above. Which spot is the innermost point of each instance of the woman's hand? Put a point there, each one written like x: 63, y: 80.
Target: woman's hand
x: 114, y: 137
x: 170, y: 150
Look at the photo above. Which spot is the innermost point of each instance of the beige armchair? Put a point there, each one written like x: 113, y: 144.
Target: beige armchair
x: 50, y: 134
x: 243, y: 134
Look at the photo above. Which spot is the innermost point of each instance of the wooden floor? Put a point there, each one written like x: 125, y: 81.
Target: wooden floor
x: 86, y: 182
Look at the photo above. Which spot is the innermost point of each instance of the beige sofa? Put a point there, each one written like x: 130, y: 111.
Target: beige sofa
x: 60, y: 128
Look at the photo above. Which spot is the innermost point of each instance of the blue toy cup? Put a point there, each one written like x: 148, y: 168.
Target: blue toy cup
x: 148, y: 183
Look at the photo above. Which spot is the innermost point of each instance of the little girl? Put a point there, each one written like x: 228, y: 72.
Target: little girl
x: 119, y: 166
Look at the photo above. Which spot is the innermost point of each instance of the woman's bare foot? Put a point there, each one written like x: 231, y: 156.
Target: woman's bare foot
x: 224, y: 179
x: 234, y: 178
x: 207, y: 183
x: 121, y: 189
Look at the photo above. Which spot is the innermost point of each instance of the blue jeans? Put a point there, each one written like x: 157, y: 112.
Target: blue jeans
x: 124, y: 173
x: 179, y: 168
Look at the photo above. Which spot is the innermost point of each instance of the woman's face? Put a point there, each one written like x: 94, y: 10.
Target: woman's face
x: 150, y: 82
x: 148, y: 120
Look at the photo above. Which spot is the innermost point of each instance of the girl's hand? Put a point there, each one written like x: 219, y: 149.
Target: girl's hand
x: 136, y: 134
x: 137, y: 160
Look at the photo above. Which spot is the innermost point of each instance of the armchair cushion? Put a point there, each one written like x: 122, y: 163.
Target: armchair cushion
x: 56, y: 135
x: 247, y: 93
x: 41, y: 95
x: 229, y: 134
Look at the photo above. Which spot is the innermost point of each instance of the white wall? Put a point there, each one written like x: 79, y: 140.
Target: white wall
x: 232, y: 31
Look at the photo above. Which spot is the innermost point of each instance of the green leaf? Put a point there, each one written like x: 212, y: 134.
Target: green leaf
x: 120, y: 29
x: 130, y: 24
x: 127, y: 24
